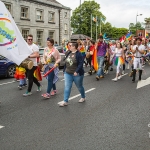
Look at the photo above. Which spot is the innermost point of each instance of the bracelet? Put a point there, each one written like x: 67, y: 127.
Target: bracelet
x: 28, y: 56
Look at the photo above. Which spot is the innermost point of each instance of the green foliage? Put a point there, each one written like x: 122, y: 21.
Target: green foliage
x: 81, y: 21
x: 133, y: 27
x: 81, y: 18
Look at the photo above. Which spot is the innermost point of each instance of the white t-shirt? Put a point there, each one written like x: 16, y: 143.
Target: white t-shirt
x: 140, y: 48
x: 118, y: 52
x: 34, y: 48
x: 113, y: 47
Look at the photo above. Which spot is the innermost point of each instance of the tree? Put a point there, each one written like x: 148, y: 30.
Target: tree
x: 81, y: 18
x: 133, y: 27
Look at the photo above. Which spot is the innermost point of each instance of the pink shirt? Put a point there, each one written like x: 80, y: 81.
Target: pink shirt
x: 54, y: 53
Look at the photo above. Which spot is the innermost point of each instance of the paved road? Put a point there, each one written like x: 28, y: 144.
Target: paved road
x: 115, y: 116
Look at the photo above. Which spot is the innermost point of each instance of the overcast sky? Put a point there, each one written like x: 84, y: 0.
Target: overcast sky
x: 120, y: 13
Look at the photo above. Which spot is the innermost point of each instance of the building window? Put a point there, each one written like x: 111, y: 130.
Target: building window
x: 8, y: 6
x: 25, y: 33
x: 66, y: 28
x: 24, y: 12
x: 39, y: 15
x: 40, y: 37
x: 65, y: 15
x: 51, y: 34
x: 51, y: 16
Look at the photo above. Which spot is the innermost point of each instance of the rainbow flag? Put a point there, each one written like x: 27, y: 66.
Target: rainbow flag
x: 129, y: 36
x: 66, y: 48
x: 37, y: 74
x: 94, y: 59
x: 82, y: 50
x: 147, y: 36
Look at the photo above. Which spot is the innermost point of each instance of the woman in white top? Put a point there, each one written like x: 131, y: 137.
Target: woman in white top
x: 118, y: 60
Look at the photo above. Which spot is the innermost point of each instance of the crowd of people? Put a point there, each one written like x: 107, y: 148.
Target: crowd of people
x: 101, y: 56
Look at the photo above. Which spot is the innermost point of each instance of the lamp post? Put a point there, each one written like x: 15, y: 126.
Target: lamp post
x: 80, y: 22
x: 136, y: 21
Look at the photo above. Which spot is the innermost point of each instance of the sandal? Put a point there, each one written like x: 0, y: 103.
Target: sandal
x: 46, y: 95
x: 53, y: 92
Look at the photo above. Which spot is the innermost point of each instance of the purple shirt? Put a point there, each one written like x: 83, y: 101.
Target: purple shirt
x: 101, y: 49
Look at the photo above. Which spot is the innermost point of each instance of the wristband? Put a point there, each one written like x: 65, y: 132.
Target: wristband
x: 28, y: 56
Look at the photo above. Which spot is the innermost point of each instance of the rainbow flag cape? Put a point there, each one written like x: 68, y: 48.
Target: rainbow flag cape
x: 20, y: 73
x: 82, y: 50
x: 129, y: 36
x: 94, y: 59
x: 37, y: 74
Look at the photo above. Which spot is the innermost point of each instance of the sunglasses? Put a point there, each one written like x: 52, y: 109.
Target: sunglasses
x: 30, y: 39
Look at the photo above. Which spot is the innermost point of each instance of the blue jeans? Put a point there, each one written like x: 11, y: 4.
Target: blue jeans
x: 50, y: 82
x: 78, y: 80
x: 100, y: 60
x: 22, y: 81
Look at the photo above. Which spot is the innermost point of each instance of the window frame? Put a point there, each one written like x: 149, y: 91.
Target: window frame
x: 24, y: 29
x: 28, y: 13
x: 37, y: 39
x: 65, y: 14
x: 65, y: 28
x: 51, y: 32
x: 42, y: 15
x: 10, y: 4
x: 51, y: 12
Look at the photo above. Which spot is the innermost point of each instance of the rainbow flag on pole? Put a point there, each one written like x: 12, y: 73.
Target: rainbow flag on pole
x: 146, y: 35
x: 129, y: 36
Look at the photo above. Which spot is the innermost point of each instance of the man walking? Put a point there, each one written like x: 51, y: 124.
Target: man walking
x: 138, y: 51
x: 30, y: 73
x: 101, y: 52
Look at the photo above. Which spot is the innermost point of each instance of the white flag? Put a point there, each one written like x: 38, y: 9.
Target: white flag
x: 12, y: 44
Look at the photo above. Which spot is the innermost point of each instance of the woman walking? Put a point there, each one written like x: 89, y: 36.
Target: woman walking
x: 51, y: 59
x: 73, y: 72
x: 118, y: 60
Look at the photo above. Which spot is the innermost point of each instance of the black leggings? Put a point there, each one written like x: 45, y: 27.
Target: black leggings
x: 31, y: 78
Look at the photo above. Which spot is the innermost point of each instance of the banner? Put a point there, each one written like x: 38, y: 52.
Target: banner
x: 12, y: 44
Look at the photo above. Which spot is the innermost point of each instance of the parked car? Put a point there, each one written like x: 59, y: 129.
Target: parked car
x: 7, y: 67
x: 60, y: 49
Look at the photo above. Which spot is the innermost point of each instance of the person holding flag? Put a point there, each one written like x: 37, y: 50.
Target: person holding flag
x: 51, y: 59
x: 101, y: 52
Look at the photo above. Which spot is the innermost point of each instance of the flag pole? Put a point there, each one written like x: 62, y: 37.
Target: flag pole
x: 100, y: 25
x: 96, y: 28
x: 91, y: 26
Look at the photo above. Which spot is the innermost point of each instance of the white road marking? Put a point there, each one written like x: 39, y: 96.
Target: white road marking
x: 143, y: 83
x: 7, y: 83
x: 73, y: 97
x: 1, y: 127
x: 124, y: 74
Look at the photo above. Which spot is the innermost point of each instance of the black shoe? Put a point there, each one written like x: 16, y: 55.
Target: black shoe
x: 133, y: 81
x: 90, y: 72
x: 111, y: 69
x: 97, y: 78
x: 25, y: 85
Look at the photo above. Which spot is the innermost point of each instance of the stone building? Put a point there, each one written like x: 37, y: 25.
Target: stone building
x: 46, y: 18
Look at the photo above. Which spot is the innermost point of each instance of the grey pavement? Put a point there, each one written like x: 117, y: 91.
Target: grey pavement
x: 115, y: 116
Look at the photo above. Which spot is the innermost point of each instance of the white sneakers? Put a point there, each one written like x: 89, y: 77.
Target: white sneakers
x: 63, y: 103
x: 81, y: 100
x: 115, y: 79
